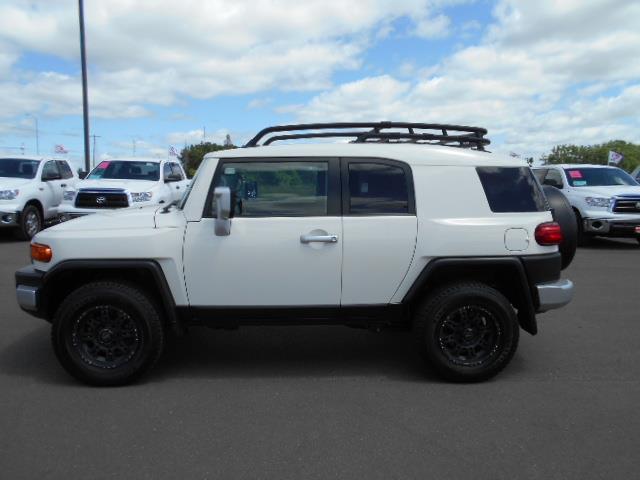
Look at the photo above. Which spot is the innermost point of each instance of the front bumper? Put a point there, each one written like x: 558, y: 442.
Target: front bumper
x: 554, y: 294
x: 29, y: 283
x: 9, y: 219
x: 627, y: 226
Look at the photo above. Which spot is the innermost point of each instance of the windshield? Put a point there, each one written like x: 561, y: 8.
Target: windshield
x: 18, y: 168
x: 598, y: 177
x: 121, y: 170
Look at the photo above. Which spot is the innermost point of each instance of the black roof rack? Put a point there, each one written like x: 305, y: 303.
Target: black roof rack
x: 378, y: 132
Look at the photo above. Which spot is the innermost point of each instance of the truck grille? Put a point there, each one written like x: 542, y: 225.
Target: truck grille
x: 116, y: 198
x: 626, y: 205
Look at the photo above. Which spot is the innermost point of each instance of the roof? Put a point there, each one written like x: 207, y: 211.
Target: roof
x: 135, y: 159
x: 411, y: 153
x: 31, y: 157
x: 576, y: 165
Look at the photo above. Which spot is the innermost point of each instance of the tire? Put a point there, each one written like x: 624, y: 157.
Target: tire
x: 472, y: 347
x: 584, y: 239
x: 564, y: 215
x: 107, y: 333
x: 30, y: 222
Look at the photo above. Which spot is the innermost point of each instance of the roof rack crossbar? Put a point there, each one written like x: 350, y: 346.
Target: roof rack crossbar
x: 468, y: 137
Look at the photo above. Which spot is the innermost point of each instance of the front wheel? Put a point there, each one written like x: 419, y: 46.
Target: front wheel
x: 30, y: 223
x: 467, y: 331
x: 107, y: 333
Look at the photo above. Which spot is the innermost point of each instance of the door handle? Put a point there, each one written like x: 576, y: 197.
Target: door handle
x: 318, y: 238
x: 63, y: 185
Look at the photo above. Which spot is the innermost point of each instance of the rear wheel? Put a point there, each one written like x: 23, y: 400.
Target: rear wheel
x: 30, y: 222
x: 107, y: 333
x: 467, y: 331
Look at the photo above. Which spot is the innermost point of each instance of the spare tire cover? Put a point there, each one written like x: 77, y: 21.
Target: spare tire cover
x: 563, y: 214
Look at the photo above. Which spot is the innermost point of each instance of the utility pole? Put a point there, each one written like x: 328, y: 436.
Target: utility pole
x: 93, y: 161
x: 35, y: 119
x: 204, y: 133
x: 85, y: 101
x: 133, y: 144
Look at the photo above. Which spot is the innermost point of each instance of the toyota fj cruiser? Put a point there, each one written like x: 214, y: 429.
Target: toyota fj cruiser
x: 397, y: 228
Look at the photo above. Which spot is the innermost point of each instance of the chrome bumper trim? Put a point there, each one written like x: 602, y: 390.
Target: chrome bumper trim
x: 554, y: 294
x: 27, y: 297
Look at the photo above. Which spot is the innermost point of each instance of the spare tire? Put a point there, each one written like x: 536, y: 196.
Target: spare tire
x: 563, y: 214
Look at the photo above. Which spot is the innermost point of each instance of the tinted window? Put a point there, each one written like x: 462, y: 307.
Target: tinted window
x: 121, y: 170
x: 540, y: 173
x: 50, y: 169
x: 166, y: 170
x: 598, y: 177
x: 177, y: 171
x: 17, y: 168
x: 376, y: 188
x: 65, y: 169
x: 272, y: 189
x: 511, y: 189
x: 553, y: 178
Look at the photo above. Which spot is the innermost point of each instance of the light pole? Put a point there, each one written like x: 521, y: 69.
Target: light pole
x: 85, y: 101
x: 35, y: 119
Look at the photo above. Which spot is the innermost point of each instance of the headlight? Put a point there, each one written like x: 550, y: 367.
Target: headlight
x: 141, y: 196
x: 598, y: 202
x: 69, y: 195
x: 8, y: 194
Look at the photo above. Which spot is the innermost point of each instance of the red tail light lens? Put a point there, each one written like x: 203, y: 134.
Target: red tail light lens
x: 549, y: 233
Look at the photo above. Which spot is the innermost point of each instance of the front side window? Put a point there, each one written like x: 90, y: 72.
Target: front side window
x: 272, y: 189
x: 50, y: 170
x: 511, y: 189
x: 377, y: 189
x: 18, y: 168
x: 124, y: 170
x: 65, y: 169
x: 598, y: 177
x: 177, y: 171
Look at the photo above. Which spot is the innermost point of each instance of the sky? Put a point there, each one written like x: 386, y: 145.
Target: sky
x: 535, y: 73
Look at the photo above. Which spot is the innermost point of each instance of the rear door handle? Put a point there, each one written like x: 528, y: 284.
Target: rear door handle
x: 318, y: 238
x: 63, y: 185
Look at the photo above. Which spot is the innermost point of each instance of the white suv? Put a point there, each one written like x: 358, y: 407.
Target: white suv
x: 386, y: 231
x: 125, y: 182
x: 605, y: 200
x: 31, y: 189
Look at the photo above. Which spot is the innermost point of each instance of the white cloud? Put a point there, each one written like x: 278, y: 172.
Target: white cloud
x: 433, y: 27
x: 526, y: 81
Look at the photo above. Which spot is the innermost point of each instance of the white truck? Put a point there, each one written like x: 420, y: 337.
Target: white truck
x: 448, y: 240
x: 31, y: 189
x: 605, y: 199
x: 124, y: 183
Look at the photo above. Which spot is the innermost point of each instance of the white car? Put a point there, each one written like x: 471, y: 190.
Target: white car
x: 605, y: 199
x: 31, y: 189
x: 123, y: 183
x: 453, y: 242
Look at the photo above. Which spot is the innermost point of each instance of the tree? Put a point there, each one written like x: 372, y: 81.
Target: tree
x: 191, y: 156
x: 598, y: 154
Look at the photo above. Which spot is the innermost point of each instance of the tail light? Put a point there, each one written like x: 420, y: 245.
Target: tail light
x: 548, y: 233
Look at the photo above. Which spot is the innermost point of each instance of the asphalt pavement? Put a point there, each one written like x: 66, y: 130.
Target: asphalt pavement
x: 334, y: 402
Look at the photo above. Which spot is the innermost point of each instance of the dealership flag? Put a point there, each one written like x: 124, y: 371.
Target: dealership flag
x: 615, y: 157
x: 61, y: 149
x: 172, y: 151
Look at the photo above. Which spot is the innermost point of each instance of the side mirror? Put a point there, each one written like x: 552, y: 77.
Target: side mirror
x: 50, y: 176
x: 82, y: 174
x: 172, y: 178
x: 222, y: 197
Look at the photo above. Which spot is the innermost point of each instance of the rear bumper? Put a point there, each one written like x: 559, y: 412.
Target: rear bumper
x: 554, y: 294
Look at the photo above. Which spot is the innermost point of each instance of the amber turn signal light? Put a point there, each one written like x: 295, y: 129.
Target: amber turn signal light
x: 41, y: 253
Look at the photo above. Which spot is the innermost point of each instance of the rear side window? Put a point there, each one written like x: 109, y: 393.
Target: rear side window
x: 511, y: 189
x: 377, y: 189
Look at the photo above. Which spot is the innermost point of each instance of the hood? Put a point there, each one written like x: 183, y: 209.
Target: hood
x: 129, y: 185
x: 7, y: 183
x: 125, y: 218
x: 607, y: 191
